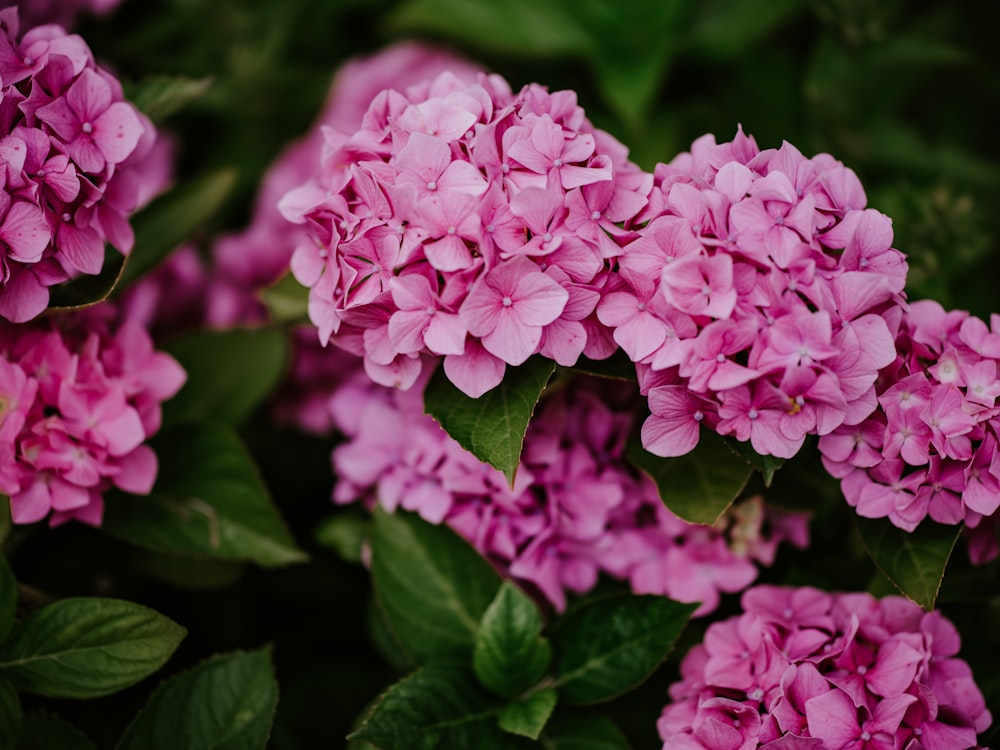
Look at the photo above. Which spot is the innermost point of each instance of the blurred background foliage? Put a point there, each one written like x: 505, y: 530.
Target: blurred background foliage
x: 900, y: 91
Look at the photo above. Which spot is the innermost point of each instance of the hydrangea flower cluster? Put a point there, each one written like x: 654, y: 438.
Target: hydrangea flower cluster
x: 756, y: 299
x: 930, y: 449
x: 576, y: 509
x: 71, y: 164
x: 79, y: 396
x: 466, y: 223
x: 805, y: 669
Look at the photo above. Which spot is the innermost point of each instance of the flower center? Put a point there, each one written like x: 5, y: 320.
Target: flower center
x: 507, y: 301
x: 87, y: 128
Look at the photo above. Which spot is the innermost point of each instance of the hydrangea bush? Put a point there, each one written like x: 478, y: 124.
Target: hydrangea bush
x: 573, y: 416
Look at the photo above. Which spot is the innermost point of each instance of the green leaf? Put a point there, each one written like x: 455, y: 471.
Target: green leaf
x: 161, y: 96
x: 913, y: 561
x: 634, y: 44
x: 766, y: 465
x: 10, y: 713
x: 87, y: 647
x: 728, y: 29
x: 8, y: 598
x: 491, y: 427
x: 608, y: 647
x: 540, y: 28
x: 209, y: 500
x: 345, y: 533
x: 510, y: 656
x: 431, y: 585
x: 700, y: 486
x: 86, y: 290
x: 172, y: 218
x: 287, y: 300
x: 230, y: 373
x: 185, y: 571
x: 616, y: 367
x: 528, y: 716
x: 583, y: 732
x: 436, y: 707
x: 48, y: 732
x: 224, y: 703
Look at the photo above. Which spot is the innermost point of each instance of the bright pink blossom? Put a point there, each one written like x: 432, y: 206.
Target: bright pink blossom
x: 805, y: 669
x: 77, y: 160
x: 511, y: 206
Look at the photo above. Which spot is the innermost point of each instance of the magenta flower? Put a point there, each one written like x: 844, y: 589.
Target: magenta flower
x: 508, y: 308
x: 577, y: 509
x: 801, y: 668
x: 79, y: 397
x: 76, y: 160
x: 469, y: 177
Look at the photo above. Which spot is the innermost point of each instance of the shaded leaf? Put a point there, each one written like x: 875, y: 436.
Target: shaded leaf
x: 431, y: 585
x: 540, y: 28
x: 86, y: 290
x: 633, y: 44
x: 172, y: 218
x: 230, y: 373
x: 161, y: 96
x: 608, y: 647
x: 87, y: 647
x: 583, y: 732
x: 436, y: 707
x: 616, y: 367
x: 10, y: 713
x: 700, y: 486
x: 913, y: 561
x: 209, y: 500
x: 224, y: 703
x: 766, y: 465
x: 185, y: 571
x: 48, y: 732
x: 491, y: 427
x: 726, y: 30
x: 510, y: 656
x: 528, y: 716
x: 345, y: 533
x: 287, y: 300
x: 8, y: 598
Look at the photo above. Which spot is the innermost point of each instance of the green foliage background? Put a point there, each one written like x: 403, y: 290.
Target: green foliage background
x: 902, y: 92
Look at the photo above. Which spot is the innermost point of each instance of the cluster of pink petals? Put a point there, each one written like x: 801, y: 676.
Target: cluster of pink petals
x: 576, y: 510
x: 79, y: 396
x: 246, y: 261
x: 467, y: 223
x: 72, y: 164
x: 930, y: 449
x: 756, y: 299
x: 801, y: 668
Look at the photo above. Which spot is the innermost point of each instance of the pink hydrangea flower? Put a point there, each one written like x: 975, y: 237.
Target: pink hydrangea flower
x: 803, y: 668
x: 930, y: 448
x: 577, y: 511
x: 75, y: 164
x: 485, y: 195
x: 79, y: 397
x: 763, y: 286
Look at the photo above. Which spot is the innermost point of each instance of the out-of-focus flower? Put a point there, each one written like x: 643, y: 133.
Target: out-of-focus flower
x: 80, y: 394
x: 576, y: 510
